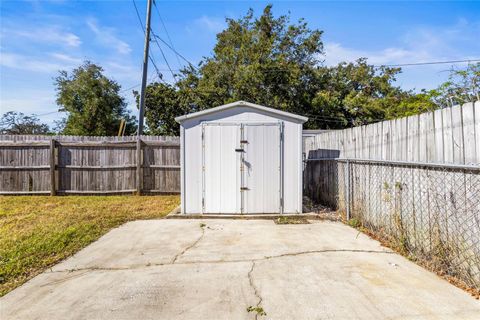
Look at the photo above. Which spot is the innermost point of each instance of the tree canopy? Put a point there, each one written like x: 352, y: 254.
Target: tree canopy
x: 273, y: 62
x: 266, y: 60
x: 462, y: 86
x: 18, y: 123
x: 92, y: 101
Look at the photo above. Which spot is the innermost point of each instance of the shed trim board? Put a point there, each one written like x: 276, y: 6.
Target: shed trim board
x: 180, y: 119
x: 241, y: 158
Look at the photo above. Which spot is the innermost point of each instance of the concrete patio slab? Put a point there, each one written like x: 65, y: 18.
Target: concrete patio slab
x: 216, y: 269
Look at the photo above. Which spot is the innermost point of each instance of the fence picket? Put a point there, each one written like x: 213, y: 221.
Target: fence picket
x: 87, y: 165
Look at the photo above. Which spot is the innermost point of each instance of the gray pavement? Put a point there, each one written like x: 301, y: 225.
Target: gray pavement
x: 177, y: 269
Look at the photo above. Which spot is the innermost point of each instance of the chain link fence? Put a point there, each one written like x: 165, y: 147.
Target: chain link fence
x: 431, y: 211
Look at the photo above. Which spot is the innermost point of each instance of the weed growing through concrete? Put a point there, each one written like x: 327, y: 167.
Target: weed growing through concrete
x: 291, y: 220
x: 258, y: 310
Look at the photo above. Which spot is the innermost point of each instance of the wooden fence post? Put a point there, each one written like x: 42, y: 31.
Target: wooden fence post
x: 52, y: 168
x: 139, y: 166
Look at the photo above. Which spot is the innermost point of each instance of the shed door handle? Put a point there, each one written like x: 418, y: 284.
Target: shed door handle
x: 239, y: 150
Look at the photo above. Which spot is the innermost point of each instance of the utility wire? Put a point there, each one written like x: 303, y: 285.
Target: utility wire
x: 173, y: 49
x: 46, y: 114
x: 160, y: 76
x: 138, y: 16
x: 151, y: 30
x: 130, y: 88
x: 273, y: 69
x: 165, y: 28
x: 428, y: 63
x: 164, y: 57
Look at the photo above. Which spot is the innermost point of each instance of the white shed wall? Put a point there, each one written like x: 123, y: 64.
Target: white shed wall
x: 191, y: 134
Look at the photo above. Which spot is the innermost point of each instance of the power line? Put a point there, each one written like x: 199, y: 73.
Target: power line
x: 164, y: 57
x: 158, y: 45
x: 160, y: 76
x: 175, y: 51
x: 130, y: 88
x: 138, y: 16
x: 46, y: 114
x: 165, y: 28
x: 428, y: 63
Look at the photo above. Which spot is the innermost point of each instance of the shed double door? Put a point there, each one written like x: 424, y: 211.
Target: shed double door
x: 242, y: 168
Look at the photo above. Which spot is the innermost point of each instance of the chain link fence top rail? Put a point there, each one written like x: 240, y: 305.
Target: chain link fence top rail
x: 432, y: 211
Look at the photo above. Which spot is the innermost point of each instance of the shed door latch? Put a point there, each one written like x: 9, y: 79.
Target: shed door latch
x: 244, y: 188
x: 239, y: 150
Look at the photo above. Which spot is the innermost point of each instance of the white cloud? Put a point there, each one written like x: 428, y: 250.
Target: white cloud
x: 66, y: 58
x: 335, y: 53
x: 50, y: 34
x: 107, y: 37
x: 123, y: 71
x: 421, y: 44
x: 211, y: 24
x: 53, y: 63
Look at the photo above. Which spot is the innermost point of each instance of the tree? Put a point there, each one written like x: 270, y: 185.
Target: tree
x: 272, y: 62
x: 411, y: 105
x: 265, y: 60
x: 17, y: 123
x: 463, y: 86
x: 92, y: 101
x: 162, y: 106
x: 356, y: 93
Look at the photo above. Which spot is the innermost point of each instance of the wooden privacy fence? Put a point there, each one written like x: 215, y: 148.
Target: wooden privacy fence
x: 450, y: 135
x: 89, y: 165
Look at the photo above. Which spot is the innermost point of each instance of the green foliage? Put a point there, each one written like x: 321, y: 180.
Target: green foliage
x: 92, y: 101
x: 264, y: 60
x: 17, y: 123
x: 412, y: 105
x: 162, y: 105
x: 270, y: 61
x: 354, y: 222
x: 354, y: 94
x: 462, y: 86
x: 291, y: 220
x: 258, y: 310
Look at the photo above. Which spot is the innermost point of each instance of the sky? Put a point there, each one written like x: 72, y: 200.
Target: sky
x: 39, y: 38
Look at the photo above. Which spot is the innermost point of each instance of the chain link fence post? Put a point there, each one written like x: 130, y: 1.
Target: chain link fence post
x: 347, y: 187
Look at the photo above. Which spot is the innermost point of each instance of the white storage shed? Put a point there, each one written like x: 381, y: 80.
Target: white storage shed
x: 241, y: 158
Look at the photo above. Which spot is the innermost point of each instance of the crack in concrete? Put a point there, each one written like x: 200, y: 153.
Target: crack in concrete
x: 293, y: 254
x: 288, y: 254
x: 255, y: 289
x: 190, y: 246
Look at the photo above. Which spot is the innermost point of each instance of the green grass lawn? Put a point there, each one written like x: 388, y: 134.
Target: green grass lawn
x: 37, y: 232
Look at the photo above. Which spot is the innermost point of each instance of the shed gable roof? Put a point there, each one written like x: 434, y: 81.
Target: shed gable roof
x: 180, y: 119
